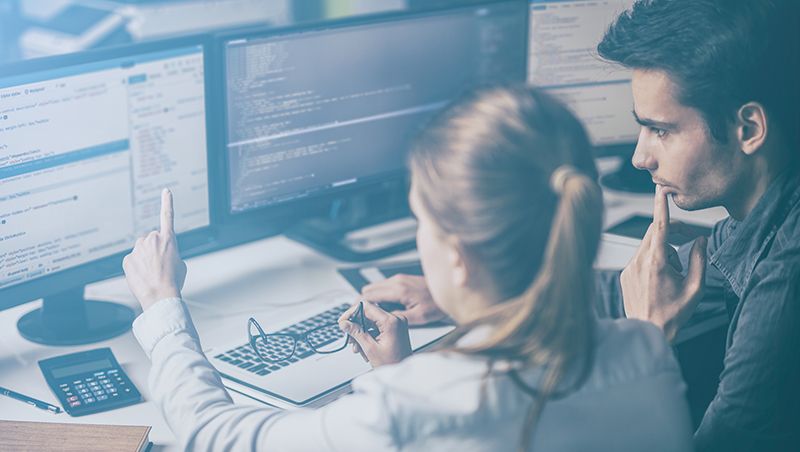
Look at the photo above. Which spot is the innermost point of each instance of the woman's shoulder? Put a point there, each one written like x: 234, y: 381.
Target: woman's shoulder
x: 428, y: 371
x: 628, y: 350
x: 625, y: 350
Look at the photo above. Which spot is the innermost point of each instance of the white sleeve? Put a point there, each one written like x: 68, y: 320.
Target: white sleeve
x: 202, y: 415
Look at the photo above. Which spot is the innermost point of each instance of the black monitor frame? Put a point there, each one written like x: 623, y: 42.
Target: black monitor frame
x: 191, y: 242
x: 275, y: 218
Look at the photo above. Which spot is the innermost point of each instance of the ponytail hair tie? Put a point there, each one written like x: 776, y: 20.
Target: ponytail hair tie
x: 559, y: 178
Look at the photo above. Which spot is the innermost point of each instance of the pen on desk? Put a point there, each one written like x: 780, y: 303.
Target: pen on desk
x: 30, y: 400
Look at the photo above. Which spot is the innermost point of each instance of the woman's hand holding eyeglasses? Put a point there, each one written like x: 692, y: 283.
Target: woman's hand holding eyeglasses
x: 391, y: 344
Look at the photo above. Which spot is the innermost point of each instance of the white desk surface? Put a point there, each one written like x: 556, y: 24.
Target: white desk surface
x: 223, y: 289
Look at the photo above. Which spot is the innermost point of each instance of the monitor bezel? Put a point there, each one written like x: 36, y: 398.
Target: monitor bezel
x: 191, y: 242
x: 282, y: 214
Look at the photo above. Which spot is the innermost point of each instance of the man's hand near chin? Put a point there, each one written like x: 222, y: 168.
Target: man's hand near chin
x: 653, y: 288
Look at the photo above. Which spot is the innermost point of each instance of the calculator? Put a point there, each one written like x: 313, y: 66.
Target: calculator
x: 89, y: 382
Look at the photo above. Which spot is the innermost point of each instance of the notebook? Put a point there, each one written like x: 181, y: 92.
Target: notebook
x: 46, y: 436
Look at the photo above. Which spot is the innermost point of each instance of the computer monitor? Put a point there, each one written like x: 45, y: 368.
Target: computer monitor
x: 563, y: 59
x: 86, y: 144
x: 325, y: 109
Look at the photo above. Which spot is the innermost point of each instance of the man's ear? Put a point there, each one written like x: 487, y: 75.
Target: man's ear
x: 751, y: 130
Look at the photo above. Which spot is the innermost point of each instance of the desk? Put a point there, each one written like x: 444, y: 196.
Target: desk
x: 223, y: 289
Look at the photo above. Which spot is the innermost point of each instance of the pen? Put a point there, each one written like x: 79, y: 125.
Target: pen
x: 30, y: 400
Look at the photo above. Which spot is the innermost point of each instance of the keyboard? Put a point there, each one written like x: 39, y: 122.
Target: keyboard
x: 245, y: 358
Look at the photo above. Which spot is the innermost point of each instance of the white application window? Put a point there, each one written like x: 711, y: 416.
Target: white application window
x: 563, y: 60
x: 83, y: 152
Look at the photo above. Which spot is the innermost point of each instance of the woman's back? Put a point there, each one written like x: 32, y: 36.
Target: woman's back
x: 443, y: 400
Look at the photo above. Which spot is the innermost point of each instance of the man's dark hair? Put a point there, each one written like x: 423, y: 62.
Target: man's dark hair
x: 720, y: 53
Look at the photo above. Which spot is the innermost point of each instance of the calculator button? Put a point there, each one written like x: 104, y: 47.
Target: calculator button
x: 127, y: 389
x: 89, y: 400
x: 72, y: 399
x: 83, y: 391
x: 80, y: 386
x: 99, y: 392
x: 74, y: 404
x: 102, y: 397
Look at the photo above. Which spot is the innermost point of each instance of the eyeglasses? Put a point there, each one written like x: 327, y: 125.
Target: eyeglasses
x: 324, y: 339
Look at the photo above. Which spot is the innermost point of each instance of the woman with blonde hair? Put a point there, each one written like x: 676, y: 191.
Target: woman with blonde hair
x: 510, y: 216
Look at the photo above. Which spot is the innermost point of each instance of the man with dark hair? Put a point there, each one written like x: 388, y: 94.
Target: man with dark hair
x: 715, y: 87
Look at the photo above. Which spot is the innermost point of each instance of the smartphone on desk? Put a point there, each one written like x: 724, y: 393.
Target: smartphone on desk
x: 636, y: 227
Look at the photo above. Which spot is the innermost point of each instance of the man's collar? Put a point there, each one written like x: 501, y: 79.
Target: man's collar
x: 746, y: 240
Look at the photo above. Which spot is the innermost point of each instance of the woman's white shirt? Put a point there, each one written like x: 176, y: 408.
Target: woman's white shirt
x: 633, y: 400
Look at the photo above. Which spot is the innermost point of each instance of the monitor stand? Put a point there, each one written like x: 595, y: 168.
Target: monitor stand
x: 68, y: 319
x: 372, y: 224
x: 629, y: 179
x: 357, y: 245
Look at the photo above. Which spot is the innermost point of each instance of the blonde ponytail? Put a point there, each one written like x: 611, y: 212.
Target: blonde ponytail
x: 565, y: 280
